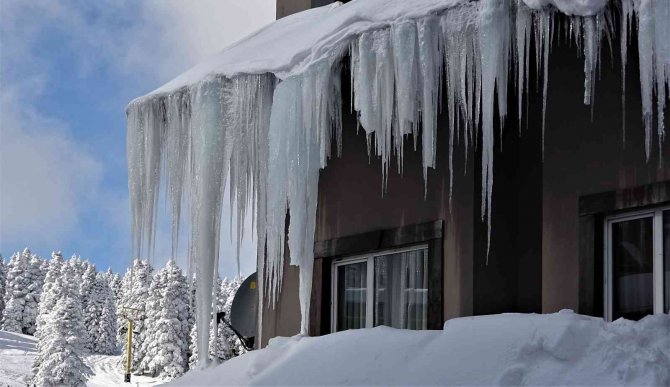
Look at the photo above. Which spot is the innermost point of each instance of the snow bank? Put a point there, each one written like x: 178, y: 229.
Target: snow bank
x: 509, y: 349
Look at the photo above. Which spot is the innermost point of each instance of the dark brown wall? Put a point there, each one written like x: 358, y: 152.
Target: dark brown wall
x: 533, y: 265
x: 288, y: 7
x: 283, y: 318
x: 585, y: 157
x: 352, y: 201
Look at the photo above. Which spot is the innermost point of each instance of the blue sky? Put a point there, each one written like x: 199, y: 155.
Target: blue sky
x: 67, y: 71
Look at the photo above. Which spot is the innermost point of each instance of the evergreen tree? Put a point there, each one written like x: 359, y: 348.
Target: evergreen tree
x: 23, y: 289
x: 15, y: 292
x: 3, y: 279
x: 49, y: 295
x: 59, y: 360
x: 87, y: 296
x: 99, y: 317
x: 115, y: 286
x: 166, y: 346
x: 152, y: 309
x: 62, y: 280
x: 35, y: 278
x: 135, y: 297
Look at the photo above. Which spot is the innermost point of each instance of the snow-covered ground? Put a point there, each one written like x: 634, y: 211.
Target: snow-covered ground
x: 106, y: 372
x: 18, y: 351
x: 510, y: 349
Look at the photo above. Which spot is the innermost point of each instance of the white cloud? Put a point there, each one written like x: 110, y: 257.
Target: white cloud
x: 48, y: 177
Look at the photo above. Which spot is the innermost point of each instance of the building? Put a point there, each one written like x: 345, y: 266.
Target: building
x: 593, y: 200
x: 578, y: 213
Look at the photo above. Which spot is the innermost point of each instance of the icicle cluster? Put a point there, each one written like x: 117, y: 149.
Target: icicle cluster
x: 269, y: 138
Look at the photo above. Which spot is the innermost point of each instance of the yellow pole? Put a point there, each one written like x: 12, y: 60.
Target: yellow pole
x: 129, y: 352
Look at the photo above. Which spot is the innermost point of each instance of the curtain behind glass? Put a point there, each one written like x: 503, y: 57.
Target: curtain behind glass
x: 401, y: 291
x: 351, y: 295
x: 666, y: 260
x: 632, y: 269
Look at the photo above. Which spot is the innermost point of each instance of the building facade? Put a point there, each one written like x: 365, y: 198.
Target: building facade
x: 580, y: 218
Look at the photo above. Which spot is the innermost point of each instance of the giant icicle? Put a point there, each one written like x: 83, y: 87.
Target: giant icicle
x: 270, y: 138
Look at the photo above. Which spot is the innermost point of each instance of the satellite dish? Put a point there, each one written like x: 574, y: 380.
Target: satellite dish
x: 244, y: 311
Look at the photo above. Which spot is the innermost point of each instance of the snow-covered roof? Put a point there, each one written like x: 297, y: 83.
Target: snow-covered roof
x: 292, y: 44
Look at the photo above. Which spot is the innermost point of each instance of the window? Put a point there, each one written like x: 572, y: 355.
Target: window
x: 637, y: 264
x: 386, y: 288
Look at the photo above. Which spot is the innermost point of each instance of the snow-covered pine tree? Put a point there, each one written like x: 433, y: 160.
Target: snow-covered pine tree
x: 167, y: 344
x: 87, y: 296
x: 99, y: 316
x: 3, y: 278
x: 12, y: 316
x: 60, y: 350
x: 121, y: 298
x: 152, y: 309
x: 50, y: 294
x: 135, y: 297
x: 63, y: 286
x: 24, y: 287
x: 35, y: 278
x: 115, y: 286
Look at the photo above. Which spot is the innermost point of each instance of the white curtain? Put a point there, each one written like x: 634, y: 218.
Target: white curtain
x: 352, y: 296
x: 401, y: 291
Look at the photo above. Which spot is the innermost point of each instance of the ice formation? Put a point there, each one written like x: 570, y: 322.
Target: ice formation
x: 269, y: 129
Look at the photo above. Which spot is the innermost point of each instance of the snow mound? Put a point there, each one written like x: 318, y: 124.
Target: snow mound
x: 509, y: 349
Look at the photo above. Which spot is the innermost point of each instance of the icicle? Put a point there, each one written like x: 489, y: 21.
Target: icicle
x: 524, y: 22
x: 546, y: 28
x: 430, y: 64
x: 293, y: 171
x: 177, y: 157
x: 590, y: 44
x: 626, y: 18
x: 493, y: 22
x: 646, y: 32
x: 405, y: 52
x: 211, y: 103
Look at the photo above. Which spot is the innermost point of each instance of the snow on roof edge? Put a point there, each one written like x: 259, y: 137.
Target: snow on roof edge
x: 283, y: 47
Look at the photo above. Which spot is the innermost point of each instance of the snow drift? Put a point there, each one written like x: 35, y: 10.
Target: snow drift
x: 509, y: 349
x: 264, y: 113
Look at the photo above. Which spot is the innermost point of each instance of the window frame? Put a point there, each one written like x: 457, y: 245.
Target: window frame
x: 369, y: 258
x: 656, y: 214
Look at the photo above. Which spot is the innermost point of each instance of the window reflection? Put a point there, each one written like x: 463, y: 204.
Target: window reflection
x: 632, y: 269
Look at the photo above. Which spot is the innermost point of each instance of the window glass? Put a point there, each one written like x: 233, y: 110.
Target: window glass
x: 666, y: 260
x: 632, y: 269
x: 400, y: 290
x: 351, y: 295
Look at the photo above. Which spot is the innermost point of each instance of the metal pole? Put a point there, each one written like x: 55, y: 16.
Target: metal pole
x: 129, y: 352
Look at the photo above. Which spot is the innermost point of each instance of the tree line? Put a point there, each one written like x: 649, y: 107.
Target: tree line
x: 73, y: 310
